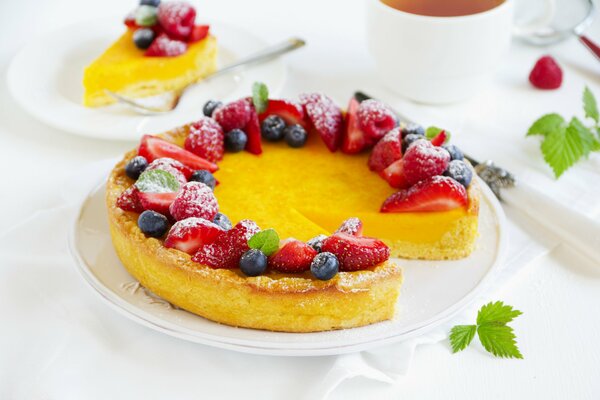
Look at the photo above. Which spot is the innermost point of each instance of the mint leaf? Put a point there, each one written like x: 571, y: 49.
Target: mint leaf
x: 590, y: 106
x: 547, y: 124
x: 587, y: 136
x: 157, y: 181
x: 266, y: 241
x: 496, y: 312
x: 563, y: 148
x: 461, y: 336
x: 260, y: 96
x: 499, y: 340
x: 433, y: 131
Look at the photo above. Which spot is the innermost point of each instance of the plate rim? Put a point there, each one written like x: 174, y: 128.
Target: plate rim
x: 145, y: 318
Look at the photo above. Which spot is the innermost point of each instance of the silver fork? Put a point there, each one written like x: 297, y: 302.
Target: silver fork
x: 171, y: 99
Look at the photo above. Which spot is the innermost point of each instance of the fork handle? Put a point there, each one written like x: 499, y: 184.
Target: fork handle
x: 573, y: 228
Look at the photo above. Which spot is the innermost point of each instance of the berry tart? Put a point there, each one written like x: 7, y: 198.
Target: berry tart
x: 163, y: 49
x: 251, y: 216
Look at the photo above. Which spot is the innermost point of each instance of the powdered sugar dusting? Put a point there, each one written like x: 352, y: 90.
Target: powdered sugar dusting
x: 324, y: 114
x: 195, y: 199
x: 163, y: 46
x: 206, y: 139
x: 182, y: 228
x: 169, y: 165
x: 351, y: 226
x: 422, y: 160
x: 375, y: 118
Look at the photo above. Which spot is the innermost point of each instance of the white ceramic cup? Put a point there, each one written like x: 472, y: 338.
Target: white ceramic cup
x: 437, y: 60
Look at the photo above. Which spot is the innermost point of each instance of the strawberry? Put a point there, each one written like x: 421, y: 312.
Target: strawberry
x: 163, y: 46
x: 177, y: 19
x: 352, y: 226
x: 325, y: 117
x: 174, y: 167
x: 386, y: 151
x: 252, y: 130
x: 129, y: 200
x: 158, y: 202
x: 375, y: 119
x: 546, y: 74
x: 438, y: 193
x: 356, y: 253
x: 189, y: 234
x: 294, y: 256
x: 206, y: 139
x: 198, y: 33
x: 291, y: 112
x: 354, y: 140
x: 195, y: 199
x: 234, y: 115
x: 394, y: 174
x: 152, y: 147
x: 228, y: 247
x: 129, y: 20
x: 439, y: 139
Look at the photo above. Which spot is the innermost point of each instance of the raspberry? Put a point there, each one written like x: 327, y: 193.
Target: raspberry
x: 177, y: 19
x: 206, y: 140
x: 546, y: 74
x: 352, y: 226
x: 386, y: 151
x: 234, y: 115
x: 423, y: 160
x: 195, y: 199
x: 162, y: 46
x: 375, y: 119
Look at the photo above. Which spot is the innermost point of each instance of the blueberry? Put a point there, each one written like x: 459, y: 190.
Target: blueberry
x: 455, y: 152
x: 253, y: 262
x: 324, y: 266
x: 143, y: 37
x: 223, y: 221
x: 210, y: 107
x: 146, y: 15
x: 272, y: 128
x: 153, y: 3
x: 413, y: 129
x: 295, y: 135
x: 153, y: 224
x: 460, y: 172
x: 205, y: 177
x: 235, y: 140
x: 408, y: 140
x: 135, y: 167
x: 317, y: 242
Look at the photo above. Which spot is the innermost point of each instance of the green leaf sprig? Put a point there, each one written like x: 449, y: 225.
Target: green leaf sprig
x: 260, y: 97
x: 494, y: 334
x: 564, y: 144
x: 266, y: 241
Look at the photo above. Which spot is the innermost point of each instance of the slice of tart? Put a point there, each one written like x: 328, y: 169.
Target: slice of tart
x: 153, y: 58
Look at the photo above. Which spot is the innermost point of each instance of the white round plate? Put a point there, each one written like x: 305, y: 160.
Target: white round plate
x: 46, y: 77
x: 433, y: 291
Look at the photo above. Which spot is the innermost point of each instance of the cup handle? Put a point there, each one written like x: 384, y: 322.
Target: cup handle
x: 538, y: 23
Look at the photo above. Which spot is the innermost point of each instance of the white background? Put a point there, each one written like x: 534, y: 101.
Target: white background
x: 559, y: 294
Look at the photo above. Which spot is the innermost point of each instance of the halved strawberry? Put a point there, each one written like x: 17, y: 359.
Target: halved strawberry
x: 356, y: 253
x: 352, y: 226
x: 188, y: 235
x: 198, y: 33
x: 291, y: 112
x: 386, y: 151
x: 252, y: 130
x: 129, y: 20
x: 158, y: 202
x: 438, y: 193
x: 129, y: 200
x: 325, y: 117
x: 195, y: 199
x: 228, y: 247
x: 394, y: 174
x: 375, y: 119
x: 354, y: 140
x: 439, y: 139
x: 295, y: 256
x: 152, y: 147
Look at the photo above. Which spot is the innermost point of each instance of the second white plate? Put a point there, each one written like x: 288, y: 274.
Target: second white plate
x: 46, y: 76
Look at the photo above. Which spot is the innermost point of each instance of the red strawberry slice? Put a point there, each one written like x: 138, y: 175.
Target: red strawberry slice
x: 423, y: 160
x: 152, y: 148
x: 158, y: 202
x: 325, y: 117
x: 375, y: 119
x: 206, y: 139
x: 352, y: 226
x: 163, y: 46
x: 190, y: 234
x: 177, y: 19
x: 356, y: 253
x: 129, y: 20
x: 234, y: 115
x: 198, y: 33
x: 174, y: 167
x: 386, y: 151
x: 195, y: 199
x: 228, y: 247
x: 295, y: 256
x: 129, y: 200
x: 438, y: 193
x: 354, y: 140
x: 252, y: 130
x: 291, y: 112
x: 439, y: 139
x: 394, y: 174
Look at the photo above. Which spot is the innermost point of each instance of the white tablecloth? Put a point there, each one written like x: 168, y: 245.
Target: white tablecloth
x: 59, y: 339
